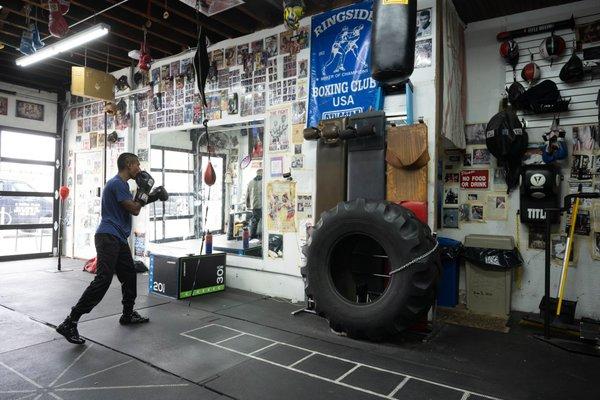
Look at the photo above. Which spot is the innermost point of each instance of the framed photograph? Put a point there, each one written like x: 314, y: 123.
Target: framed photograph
x: 423, y: 50
x: 450, y: 218
x: 29, y: 110
x: 3, y: 106
x: 451, y: 196
x: 481, y: 156
x: 276, y: 167
x: 424, y: 23
x: 255, y: 141
x: 536, y: 239
x: 475, y: 134
x: 272, y: 45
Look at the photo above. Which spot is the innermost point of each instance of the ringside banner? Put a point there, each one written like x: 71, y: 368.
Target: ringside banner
x: 340, y: 71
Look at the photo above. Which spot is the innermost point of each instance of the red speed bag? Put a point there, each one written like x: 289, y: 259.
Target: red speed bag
x: 63, y: 192
x: 418, y: 207
x: 209, y: 175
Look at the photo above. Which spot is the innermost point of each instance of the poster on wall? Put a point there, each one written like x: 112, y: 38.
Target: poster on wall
x: 28, y: 110
x: 3, y: 106
x: 140, y: 243
x: 281, y: 208
x: 497, y: 207
x: 424, y: 23
x: 423, y: 49
x: 340, y: 73
x: 304, y: 207
x: 279, y: 128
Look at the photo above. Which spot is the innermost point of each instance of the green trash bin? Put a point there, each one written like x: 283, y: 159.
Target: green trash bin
x: 490, y: 260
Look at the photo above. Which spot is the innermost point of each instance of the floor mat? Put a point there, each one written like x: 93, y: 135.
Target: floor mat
x: 464, y: 317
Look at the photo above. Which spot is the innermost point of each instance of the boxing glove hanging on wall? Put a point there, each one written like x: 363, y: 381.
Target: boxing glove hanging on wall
x: 393, y: 40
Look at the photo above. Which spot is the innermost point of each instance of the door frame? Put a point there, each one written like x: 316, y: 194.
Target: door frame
x: 57, y: 164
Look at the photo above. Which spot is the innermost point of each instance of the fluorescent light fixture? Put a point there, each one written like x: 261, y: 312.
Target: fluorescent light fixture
x: 65, y: 44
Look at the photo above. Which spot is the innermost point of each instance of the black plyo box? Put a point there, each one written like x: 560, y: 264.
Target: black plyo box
x: 174, y: 276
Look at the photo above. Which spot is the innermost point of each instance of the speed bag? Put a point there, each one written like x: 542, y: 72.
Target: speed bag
x: 393, y: 40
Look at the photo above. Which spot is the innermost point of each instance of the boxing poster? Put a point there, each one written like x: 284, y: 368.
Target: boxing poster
x: 340, y: 72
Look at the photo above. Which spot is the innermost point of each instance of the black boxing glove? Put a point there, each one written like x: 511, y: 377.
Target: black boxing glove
x: 159, y: 193
x: 144, y: 182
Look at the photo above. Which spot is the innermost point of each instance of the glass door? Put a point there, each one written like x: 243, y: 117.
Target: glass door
x: 29, y: 178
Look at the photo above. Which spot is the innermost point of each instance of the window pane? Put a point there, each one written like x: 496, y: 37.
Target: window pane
x: 178, y: 160
x: 19, y: 210
x: 155, y: 230
x: 179, y: 205
x: 176, y: 182
x: 179, y: 228
x: 27, y: 146
x: 17, y: 177
x: 157, y: 175
x: 19, y: 241
x: 155, y: 158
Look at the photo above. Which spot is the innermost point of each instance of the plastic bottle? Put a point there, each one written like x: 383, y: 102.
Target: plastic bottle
x: 245, y: 238
x: 209, y: 242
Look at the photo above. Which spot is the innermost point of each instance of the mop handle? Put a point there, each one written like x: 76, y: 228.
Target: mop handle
x: 565, y: 267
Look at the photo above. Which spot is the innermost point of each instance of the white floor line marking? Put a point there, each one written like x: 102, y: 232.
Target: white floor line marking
x: 55, y: 396
x: 302, y: 359
x: 233, y: 337
x: 290, y: 368
x: 206, y: 326
x: 17, y: 391
x: 70, y: 365
x: 21, y: 375
x: 348, y: 372
x: 120, y: 387
x: 264, y: 348
x: 38, y: 396
x: 465, y: 396
x: 94, y: 373
x: 400, y: 386
x: 26, y: 397
x: 329, y: 356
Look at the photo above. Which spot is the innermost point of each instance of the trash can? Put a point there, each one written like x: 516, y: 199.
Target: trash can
x: 490, y: 260
x: 447, y: 291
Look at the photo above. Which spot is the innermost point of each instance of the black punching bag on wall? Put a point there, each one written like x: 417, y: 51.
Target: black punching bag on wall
x: 393, y: 40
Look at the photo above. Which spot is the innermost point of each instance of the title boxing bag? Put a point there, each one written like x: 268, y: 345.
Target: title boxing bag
x: 393, y: 40
x: 540, y: 187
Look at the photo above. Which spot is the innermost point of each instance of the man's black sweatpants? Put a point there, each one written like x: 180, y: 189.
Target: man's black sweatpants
x: 112, y: 256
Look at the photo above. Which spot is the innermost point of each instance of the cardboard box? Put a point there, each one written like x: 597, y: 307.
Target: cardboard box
x: 89, y: 82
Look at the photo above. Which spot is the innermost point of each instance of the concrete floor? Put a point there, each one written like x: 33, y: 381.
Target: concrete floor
x: 239, y: 345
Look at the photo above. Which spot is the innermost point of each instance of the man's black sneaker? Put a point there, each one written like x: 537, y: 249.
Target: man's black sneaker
x: 133, y: 318
x: 69, y: 330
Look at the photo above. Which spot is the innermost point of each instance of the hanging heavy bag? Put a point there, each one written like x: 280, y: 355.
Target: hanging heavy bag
x: 572, y: 71
x: 393, y: 40
x: 201, y: 64
x: 507, y: 141
x: 56, y: 23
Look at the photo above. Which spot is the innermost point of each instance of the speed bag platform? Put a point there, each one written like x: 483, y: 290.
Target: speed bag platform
x: 540, y: 189
x: 407, y: 159
x: 174, y: 276
x: 366, y: 157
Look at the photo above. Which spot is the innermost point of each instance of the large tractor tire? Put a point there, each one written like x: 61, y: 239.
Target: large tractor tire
x: 350, y: 255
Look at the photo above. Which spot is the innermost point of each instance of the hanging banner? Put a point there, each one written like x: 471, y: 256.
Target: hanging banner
x: 340, y: 72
